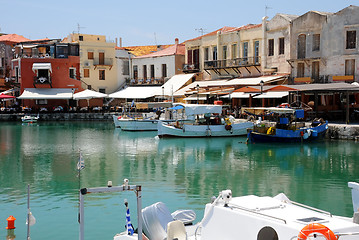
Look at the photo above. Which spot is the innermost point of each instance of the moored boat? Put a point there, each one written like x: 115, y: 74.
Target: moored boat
x: 248, y: 218
x: 207, y: 122
x: 286, y: 128
x: 29, y: 119
x: 142, y: 121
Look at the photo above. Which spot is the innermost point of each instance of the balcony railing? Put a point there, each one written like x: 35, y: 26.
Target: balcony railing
x: 104, y: 62
x: 228, y: 63
x: 42, y: 80
x: 191, y: 67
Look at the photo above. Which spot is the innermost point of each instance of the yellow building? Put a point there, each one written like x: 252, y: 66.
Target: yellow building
x: 98, y: 68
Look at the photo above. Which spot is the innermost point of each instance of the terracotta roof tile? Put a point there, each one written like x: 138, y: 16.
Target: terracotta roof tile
x: 247, y: 89
x: 13, y: 38
x: 176, y: 49
x: 143, y: 50
x: 227, y: 29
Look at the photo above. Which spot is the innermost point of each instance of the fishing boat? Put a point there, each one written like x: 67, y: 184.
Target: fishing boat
x: 283, y: 126
x: 144, y: 116
x: 247, y: 218
x: 30, y: 119
x: 206, y: 122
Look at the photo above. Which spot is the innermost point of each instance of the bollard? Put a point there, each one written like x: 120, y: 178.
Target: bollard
x: 10, y: 222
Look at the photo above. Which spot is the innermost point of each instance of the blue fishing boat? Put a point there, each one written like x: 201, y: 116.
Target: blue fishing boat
x: 286, y: 128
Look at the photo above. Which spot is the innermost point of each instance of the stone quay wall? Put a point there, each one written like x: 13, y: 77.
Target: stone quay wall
x: 61, y: 117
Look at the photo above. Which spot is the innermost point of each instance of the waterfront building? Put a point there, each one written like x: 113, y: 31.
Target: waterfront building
x: 48, y: 73
x: 7, y: 42
x: 98, y: 68
x: 226, y: 53
x: 277, y: 44
x: 159, y: 66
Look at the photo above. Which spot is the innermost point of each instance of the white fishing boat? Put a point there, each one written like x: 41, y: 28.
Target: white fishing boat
x: 207, y: 122
x: 247, y: 218
x: 30, y: 119
x: 143, y: 118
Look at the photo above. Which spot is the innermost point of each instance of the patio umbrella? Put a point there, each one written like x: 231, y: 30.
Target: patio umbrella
x: 88, y: 94
x: 4, y: 96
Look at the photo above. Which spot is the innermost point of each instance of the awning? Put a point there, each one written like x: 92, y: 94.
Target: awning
x: 46, y: 93
x: 193, y: 109
x: 174, y: 83
x: 37, y: 66
x: 272, y: 95
x: 194, y: 98
x: 88, y: 94
x: 136, y: 92
x: 238, y: 95
x: 254, y: 80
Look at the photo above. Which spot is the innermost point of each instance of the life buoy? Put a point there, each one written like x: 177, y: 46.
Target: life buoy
x: 316, y: 228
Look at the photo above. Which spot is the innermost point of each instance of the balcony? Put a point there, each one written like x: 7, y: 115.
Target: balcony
x: 234, y: 64
x: 103, y: 62
x: 191, y: 68
x: 42, y: 80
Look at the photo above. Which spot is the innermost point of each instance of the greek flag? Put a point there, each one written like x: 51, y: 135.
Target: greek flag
x: 128, y: 222
x: 80, y: 163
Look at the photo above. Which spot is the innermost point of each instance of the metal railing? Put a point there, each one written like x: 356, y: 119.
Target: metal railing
x: 105, y: 61
x: 238, y: 62
x: 42, y: 80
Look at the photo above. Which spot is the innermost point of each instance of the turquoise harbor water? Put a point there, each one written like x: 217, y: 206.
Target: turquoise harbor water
x: 183, y: 173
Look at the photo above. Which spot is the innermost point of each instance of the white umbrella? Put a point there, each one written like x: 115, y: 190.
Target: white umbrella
x: 88, y: 94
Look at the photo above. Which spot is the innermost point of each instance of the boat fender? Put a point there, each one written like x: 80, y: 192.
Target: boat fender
x: 271, y: 131
x: 309, y: 131
x: 228, y: 122
x: 305, y: 136
x: 228, y: 127
x: 301, y: 133
x: 316, y: 228
x: 119, y: 117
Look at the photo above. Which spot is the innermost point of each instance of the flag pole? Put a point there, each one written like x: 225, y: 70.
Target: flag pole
x: 28, y: 211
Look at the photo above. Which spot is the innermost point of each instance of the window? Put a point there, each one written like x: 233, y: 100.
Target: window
x: 315, y: 70
x: 41, y: 101
x: 101, y: 74
x: 164, y: 70
x: 350, y: 67
x: 135, y: 72
x: 81, y: 38
x: 301, y: 50
x: 316, y: 42
x: 300, y: 70
x: 245, y: 50
x: 189, y: 57
x: 144, y: 68
x: 101, y: 58
x: 102, y: 90
x: 86, y: 73
x: 90, y: 55
x: 234, y: 51
x: 126, y: 67
x: 214, y: 54
x: 270, y: 47
x: 206, y: 54
x: 351, y: 39
x: 152, y: 71
x: 256, y: 52
x: 281, y: 46
x: 72, y: 72
x: 224, y: 52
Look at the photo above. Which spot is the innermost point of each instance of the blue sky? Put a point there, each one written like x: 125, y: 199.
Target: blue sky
x: 144, y: 22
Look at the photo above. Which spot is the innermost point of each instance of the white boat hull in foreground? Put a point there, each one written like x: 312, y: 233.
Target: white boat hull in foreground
x: 250, y: 218
x: 192, y: 130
